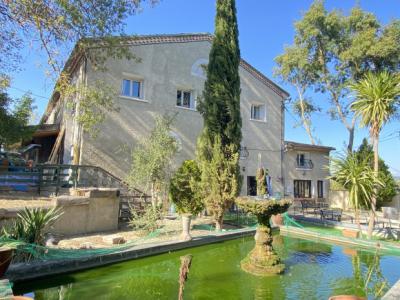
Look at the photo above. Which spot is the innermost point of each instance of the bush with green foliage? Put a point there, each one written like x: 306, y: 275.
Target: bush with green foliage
x: 152, y: 160
x: 14, y: 122
x: 32, y: 224
x: 388, y: 190
x: 219, y: 184
x: 219, y: 142
x: 182, y: 189
x: 146, y: 221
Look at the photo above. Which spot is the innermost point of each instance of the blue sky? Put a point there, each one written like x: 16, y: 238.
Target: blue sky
x: 265, y: 26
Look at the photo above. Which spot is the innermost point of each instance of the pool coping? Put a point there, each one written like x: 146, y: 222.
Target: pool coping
x: 339, y: 240
x: 393, y: 293
x: 21, y: 272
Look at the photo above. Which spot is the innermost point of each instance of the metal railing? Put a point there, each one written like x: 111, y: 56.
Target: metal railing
x: 304, y: 164
x: 45, y: 176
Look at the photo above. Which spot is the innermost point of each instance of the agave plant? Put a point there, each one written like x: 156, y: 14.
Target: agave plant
x: 31, y: 224
x: 357, y: 177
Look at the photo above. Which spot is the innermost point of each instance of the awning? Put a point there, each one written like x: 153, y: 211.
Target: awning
x: 45, y: 130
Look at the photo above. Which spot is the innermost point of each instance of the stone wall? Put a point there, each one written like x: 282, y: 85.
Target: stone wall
x: 84, y: 211
x: 87, y: 211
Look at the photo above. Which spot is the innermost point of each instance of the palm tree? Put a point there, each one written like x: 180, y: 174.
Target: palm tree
x: 357, y: 177
x: 377, y: 96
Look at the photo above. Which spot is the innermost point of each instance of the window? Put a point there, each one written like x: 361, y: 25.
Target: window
x: 251, y: 186
x: 185, y: 99
x: 132, y: 88
x: 320, y: 188
x: 302, y: 188
x: 258, y: 112
x: 301, y: 159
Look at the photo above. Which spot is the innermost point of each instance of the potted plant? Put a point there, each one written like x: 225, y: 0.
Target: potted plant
x: 184, y: 195
x: 7, y: 247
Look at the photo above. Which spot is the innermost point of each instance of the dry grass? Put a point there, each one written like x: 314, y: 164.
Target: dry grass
x: 18, y: 203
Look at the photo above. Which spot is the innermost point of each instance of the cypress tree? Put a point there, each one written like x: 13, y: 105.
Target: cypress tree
x: 219, y: 143
x: 220, y: 106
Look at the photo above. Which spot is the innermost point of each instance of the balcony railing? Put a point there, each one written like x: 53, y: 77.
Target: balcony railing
x: 305, y: 164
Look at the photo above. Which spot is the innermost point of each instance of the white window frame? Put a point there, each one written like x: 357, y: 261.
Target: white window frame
x: 141, y: 88
x: 264, y: 118
x: 191, y: 101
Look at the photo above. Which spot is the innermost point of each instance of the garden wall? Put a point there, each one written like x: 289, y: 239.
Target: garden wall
x: 84, y: 211
x: 339, y: 199
x: 87, y: 211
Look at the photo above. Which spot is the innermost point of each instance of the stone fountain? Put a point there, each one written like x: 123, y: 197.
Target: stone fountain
x: 262, y: 260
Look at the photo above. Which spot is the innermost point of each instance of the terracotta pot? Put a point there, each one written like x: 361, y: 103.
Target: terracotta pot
x: 21, y: 298
x: 277, y: 219
x: 354, y: 234
x: 5, y: 259
x: 346, y: 297
x: 186, y: 219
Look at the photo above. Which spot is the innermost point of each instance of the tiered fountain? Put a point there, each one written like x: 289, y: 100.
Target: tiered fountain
x: 262, y: 260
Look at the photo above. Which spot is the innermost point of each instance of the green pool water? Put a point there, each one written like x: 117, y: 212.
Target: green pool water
x: 313, y: 271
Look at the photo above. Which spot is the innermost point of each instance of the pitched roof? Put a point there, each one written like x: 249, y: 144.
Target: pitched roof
x: 75, y: 57
x: 289, y: 145
x: 198, y: 37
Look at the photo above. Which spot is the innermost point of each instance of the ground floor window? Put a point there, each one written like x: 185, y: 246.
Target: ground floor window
x: 302, y: 188
x: 251, y: 186
x: 320, y: 188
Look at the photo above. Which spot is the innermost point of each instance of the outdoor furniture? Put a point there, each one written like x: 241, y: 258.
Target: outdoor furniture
x: 331, y: 214
x: 311, y: 204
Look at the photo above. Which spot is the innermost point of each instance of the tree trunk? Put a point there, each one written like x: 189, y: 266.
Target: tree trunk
x: 357, y: 217
x: 219, y: 222
x: 375, y: 141
x: 304, y: 119
x: 351, y: 139
x: 153, y: 196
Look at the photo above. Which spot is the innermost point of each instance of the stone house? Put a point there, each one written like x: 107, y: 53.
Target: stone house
x: 306, y: 170
x: 169, y: 78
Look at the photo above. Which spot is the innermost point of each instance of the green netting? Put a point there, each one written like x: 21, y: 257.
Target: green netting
x: 334, y: 234
x: 37, y: 252
x: 5, y: 289
x: 26, y: 251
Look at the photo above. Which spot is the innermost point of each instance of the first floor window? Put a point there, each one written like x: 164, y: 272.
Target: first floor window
x: 302, y: 188
x: 184, y: 99
x: 132, y: 88
x: 320, y: 188
x: 258, y: 112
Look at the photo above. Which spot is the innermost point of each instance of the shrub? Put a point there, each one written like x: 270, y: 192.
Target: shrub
x: 146, y: 221
x: 182, y: 190
x: 31, y: 225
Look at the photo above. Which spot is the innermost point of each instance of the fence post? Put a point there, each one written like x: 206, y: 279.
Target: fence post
x: 58, y: 169
x: 40, y: 176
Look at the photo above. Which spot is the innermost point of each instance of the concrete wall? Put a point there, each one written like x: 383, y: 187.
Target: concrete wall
x: 395, y: 202
x: 91, y: 211
x: 87, y: 211
x: 164, y: 68
x: 339, y: 199
x: 319, y: 171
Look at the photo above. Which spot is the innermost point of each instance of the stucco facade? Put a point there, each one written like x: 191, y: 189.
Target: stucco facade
x: 167, y: 64
x: 304, y: 166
